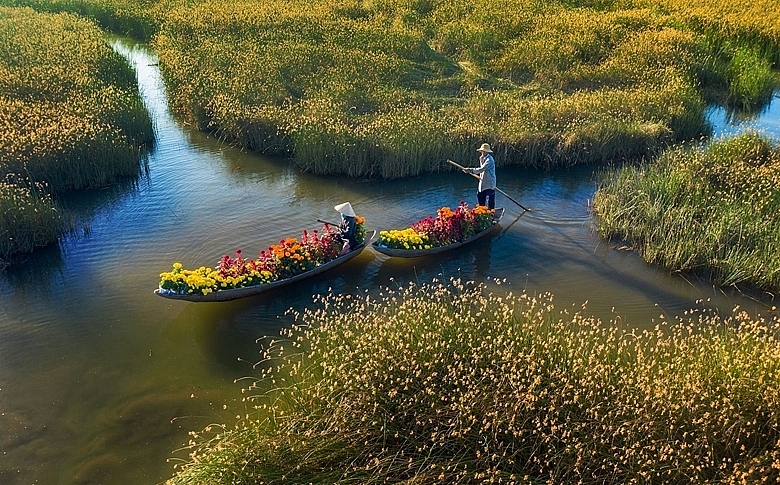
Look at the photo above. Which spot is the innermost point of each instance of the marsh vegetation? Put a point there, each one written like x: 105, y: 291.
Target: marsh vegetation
x: 72, y: 118
x: 449, y: 383
x: 710, y: 210
x: 391, y: 89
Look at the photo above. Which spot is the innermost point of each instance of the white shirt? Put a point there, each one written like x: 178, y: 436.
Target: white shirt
x: 486, y: 171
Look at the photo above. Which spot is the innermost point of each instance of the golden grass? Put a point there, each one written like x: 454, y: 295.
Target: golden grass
x: 393, y: 88
x: 71, y: 118
x: 450, y: 383
x: 69, y: 103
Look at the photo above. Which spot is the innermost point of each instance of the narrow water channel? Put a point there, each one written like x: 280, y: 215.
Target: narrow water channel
x: 100, y: 380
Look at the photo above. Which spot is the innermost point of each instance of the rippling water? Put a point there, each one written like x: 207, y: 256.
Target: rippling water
x: 100, y: 380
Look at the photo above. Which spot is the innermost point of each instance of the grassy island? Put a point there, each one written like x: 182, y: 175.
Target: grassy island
x: 710, y: 210
x: 71, y: 118
x: 453, y: 384
x: 392, y: 88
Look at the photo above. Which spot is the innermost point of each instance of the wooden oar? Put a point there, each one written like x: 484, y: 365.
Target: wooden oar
x: 497, y: 189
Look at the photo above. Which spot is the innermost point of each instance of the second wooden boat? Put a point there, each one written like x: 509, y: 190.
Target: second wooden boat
x: 416, y: 253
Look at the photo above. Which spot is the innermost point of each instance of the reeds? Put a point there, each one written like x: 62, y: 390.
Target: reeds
x: 450, y: 383
x: 29, y: 218
x: 751, y: 81
x: 549, y: 85
x: 378, y: 106
x: 388, y: 89
x: 137, y: 18
x: 710, y: 211
x: 70, y: 113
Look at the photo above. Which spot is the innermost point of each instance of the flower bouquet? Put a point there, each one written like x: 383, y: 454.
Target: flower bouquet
x: 289, y: 258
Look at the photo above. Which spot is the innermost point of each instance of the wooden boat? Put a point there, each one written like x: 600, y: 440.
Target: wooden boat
x: 235, y: 293
x: 416, y: 253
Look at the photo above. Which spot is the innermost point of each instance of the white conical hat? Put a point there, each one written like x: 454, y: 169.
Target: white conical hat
x: 346, y: 209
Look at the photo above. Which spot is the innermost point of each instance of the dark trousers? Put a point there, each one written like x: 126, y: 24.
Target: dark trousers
x: 489, y: 196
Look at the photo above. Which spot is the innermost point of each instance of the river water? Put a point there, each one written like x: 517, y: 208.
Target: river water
x: 100, y: 380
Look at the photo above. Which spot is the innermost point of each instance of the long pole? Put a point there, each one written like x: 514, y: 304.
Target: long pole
x: 497, y: 189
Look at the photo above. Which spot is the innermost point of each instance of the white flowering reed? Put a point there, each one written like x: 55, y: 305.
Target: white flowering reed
x: 449, y: 383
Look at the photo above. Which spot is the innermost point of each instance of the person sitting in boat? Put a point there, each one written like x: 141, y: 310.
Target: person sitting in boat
x: 347, y: 227
x: 486, y: 192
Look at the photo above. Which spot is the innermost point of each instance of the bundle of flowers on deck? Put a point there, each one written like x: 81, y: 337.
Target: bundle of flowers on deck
x: 288, y: 258
x: 448, y: 227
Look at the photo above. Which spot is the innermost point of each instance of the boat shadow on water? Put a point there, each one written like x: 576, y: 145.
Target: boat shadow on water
x: 471, y: 262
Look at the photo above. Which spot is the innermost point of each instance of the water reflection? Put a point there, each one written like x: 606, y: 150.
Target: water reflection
x: 727, y: 122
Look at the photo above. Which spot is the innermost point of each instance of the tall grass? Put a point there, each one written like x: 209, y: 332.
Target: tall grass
x: 29, y: 218
x: 72, y: 114
x: 397, y: 89
x: 751, y: 79
x: 454, y: 384
x: 711, y: 210
x: 137, y: 18
x: 71, y: 117
x: 392, y: 88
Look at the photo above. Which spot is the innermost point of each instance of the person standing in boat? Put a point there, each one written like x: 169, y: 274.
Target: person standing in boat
x: 347, y: 227
x: 486, y: 192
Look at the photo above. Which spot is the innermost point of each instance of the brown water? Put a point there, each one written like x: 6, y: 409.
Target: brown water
x: 100, y: 380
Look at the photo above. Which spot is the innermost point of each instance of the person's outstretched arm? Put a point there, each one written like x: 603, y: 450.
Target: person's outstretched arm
x: 485, y: 166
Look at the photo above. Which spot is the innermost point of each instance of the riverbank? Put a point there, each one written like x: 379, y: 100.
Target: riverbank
x: 72, y: 119
x: 392, y: 90
x: 416, y: 386
x: 710, y: 211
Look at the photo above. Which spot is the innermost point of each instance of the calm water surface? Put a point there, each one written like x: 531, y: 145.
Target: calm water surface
x: 100, y: 380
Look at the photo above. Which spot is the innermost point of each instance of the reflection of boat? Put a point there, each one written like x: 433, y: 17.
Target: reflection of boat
x: 414, y: 253
x: 235, y: 293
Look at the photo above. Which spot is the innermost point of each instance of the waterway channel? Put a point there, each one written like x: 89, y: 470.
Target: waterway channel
x: 100, y: 380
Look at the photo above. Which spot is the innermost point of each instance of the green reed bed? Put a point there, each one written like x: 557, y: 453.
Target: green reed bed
x: 29, y: 218
x: 752, y: 22
x: 392, y: 89
x: 137, y: 18
x: 752, y: 81
x: 711, y: 210
x: 450, y: 383
x: 70, y: 110
x: 746, y: 41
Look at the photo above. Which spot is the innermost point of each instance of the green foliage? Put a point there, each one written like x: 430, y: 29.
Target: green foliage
x: 265, y: 74
x: 71, y: 114
x: 711, y: 210
x: 451, y: 384
x: 29, y: 218
x: 751, y: 81
x: 138, y: 18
